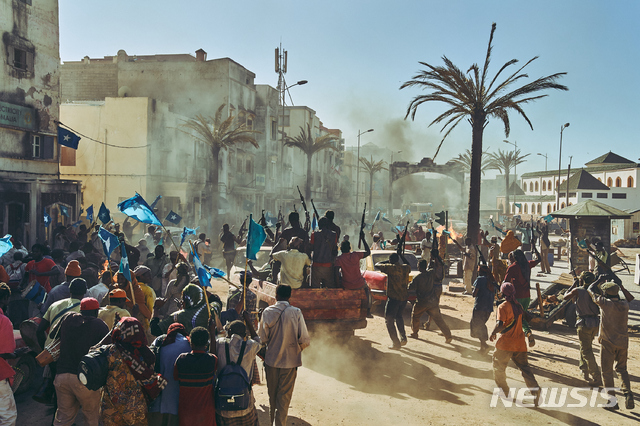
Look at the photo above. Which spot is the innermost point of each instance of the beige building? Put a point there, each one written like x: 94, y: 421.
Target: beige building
x: 29, y: 99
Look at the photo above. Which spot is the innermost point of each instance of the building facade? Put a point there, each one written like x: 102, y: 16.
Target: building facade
x: 29, y: 100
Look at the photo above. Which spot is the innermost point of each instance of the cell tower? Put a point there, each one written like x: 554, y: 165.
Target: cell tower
x: 281, y: 66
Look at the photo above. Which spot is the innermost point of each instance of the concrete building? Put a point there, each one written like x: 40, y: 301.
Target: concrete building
x: 29, y: 99
x: 610, y: 179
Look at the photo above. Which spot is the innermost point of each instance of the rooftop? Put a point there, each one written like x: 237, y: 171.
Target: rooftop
x: 583, y: 180
x: 591, y: 208
x: 609, y: 158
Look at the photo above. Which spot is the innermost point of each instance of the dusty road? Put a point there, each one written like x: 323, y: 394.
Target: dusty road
x: 427, y: 382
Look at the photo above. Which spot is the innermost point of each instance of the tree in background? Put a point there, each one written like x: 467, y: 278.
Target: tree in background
x: 371, y: 167
x: 475, y: 97
x: 504, y: 161
x: 218, y: 134
x: 310, y: 146
x: 464, y: 161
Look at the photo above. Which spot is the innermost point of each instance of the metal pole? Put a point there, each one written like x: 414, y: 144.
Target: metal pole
x: 568, y: 171
x: 515, y: 172
x: 560, y: 166
x: 358, y: 172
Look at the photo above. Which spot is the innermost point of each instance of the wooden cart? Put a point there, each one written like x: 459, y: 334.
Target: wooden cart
x: 554, y: 306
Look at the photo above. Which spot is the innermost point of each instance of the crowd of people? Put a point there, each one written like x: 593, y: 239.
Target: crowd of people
x: 173, y: 349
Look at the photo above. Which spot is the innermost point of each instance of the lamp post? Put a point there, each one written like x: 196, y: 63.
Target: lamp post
x: 564, y: 126
x: 515, y: 170
x: 358, y: 167
x: 284, y: 88
x: 546, y: 157
x: 568, y: 171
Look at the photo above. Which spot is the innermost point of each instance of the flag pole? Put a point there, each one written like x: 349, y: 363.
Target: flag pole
x: 244, y: 285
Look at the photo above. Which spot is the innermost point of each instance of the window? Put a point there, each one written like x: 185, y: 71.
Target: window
x: 274, y: 130
x: 526, y: 210
x: 249, y: 123
x: 548, y: 208
x: 544, y: 185
x: 239, y: 165
x: 20, y: 59
x: 587, y: 195
x: 618, y: 182
x: 562, y: 206
x: 619, y: 196
x: 609, y: 182
x: 600, y: 179
x: 539, y: 208
x: 629, y: 182
x: 602, y: 195
x: 530, y: 186
x: 35, y: 146
x: 536, y: 186
x: 248, y: 166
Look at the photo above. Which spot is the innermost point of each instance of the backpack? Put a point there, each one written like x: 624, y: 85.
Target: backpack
x: 94, y: 368
x: 233, y: 387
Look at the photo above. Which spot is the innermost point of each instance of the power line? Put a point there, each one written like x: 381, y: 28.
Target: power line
x: 95, y: 140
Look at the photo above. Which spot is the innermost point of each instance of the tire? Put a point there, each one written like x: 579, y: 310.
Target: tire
x: 27, y: 365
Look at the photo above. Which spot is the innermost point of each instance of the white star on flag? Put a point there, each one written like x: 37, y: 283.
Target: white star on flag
x: 67, y: 138
x: 125, y: 262
x: 107, y: 244
x: 173, y: 217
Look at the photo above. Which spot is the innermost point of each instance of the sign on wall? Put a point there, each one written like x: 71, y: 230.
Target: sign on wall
x: 260, y: 180
x: 17, y: 116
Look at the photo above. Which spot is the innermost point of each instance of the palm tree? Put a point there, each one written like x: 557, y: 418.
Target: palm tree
x: 371, y: 167
x: 504, y: 161
x: 464, y: 161
x: 307, y: 144
x: 218, y: 135
x: 472, y: 97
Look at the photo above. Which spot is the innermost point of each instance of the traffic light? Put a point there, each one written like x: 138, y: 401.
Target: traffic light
x: 440, y: 218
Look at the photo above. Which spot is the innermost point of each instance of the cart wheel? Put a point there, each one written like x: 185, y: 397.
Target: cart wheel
x: 570, y: 315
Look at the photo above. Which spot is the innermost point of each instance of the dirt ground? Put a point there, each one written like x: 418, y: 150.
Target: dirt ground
x: 362, y: 382
x: 430, y: 382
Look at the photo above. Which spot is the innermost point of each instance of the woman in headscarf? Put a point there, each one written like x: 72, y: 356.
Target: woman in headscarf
x: 511, y: 344
x: 131, y: 381
x: 519, y: 274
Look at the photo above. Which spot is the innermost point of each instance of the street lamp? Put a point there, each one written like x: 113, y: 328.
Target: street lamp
x: 568, y: 171
x: 358, y: 166
x: 564, y: 126
x: 284, y: 89
x: 515, y: 170
x: 546, y: 156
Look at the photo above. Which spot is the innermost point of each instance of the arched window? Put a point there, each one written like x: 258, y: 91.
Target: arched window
x: 539, y: 208
x: 548, y: 208
x: 530, y: 186
x: 525, y: 208
x: 618, y: 182
x: 600, y: 179
x: 557, y: 184
x: 562, y: 206
x: 544, y: 185
x: 570, y: 203
x: 610, y: 183
x: 549, y: 185
x: 629, y: 182
x: 536, y: 186
x: 501, y: 207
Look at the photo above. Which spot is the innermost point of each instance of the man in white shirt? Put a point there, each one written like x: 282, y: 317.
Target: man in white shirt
x: 292, y: 263
x: 284, y: 331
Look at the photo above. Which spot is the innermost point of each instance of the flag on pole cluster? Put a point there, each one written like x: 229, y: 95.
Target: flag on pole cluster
x: 377, y: 216
x: 76, y: 223
x: 255, y: 238
x: 64, y: 210
x: 46, y: 219
x: 5, y: 244
x: 205, y: 273
x: 137, y: 208
x: 187, y: 231
x: 109, y: 241
x: 68, y: 138
x: 124, y: 263
x: 173, y: 217
x: 548, y: 218
x: 104, y: 214
x: 90, y: 214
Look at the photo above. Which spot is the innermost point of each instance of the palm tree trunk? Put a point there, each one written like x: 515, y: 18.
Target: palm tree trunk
x: 214, y: 190
x: 370, y: 192
x: 473, y: 214
x: 307, y: 189
x: 506, y: 180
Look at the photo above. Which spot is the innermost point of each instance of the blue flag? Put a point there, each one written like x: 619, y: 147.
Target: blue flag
x: 173, y: 217
x: 137, y: 208
x: 64, y: 211
x: 5, y: 244
x: 109, y: 241
x: 384, y: 219
x: 68, y: 138
x: 377, y: 216
x: 104, y: 214
x: 518, y: 205
x: 76, y: 223
x: 582, y: 244
x: 187, y: 231
x: 314, y: 223
x: 255, y: 238
x: 90, y: 214
x: 408, y: 212
x: 203, y: 274
x: 548, y: 218
x: 46, y: 219
x: 124, y: 263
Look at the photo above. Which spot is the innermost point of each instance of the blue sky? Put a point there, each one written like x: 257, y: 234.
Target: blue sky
x: 356, y: 54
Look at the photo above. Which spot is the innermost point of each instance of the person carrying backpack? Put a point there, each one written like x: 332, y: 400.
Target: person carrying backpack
x: 235, y: 377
